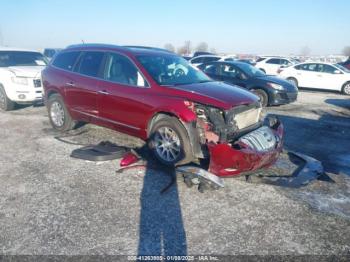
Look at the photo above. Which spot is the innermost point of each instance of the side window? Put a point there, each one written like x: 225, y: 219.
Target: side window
x: 197, y: 60
x: 90, y: 63
x: 231, y: 71
x: 326, y: 68
x: 210, y: 69
x: 306, y: 67
x: 285, y: 62
x: 274, y: 61
x: 66, y: 60
x: 120, y: 69
x: 227, y: 70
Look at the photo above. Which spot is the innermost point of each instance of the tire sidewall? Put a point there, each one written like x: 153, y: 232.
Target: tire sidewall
x: 293, y: 80
x: 9, y: 105
x: 264, y: 98
x: 67, y: 119
x: 343, y: 89
x: 181, y: 132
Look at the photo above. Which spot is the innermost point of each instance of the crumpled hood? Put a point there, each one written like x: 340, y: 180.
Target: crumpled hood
x: 27, y: 71
x: 229, y: 95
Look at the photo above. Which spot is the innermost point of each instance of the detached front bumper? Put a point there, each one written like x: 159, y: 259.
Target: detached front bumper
x: 247, y: 154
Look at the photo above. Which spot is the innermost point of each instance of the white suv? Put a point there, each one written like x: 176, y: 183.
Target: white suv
x: 270, y: 65
x: 20, y: 77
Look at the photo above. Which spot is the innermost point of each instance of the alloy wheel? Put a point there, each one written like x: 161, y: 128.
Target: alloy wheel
x: 347, y: 89
x: 57, y: 114
x: 167, y: 144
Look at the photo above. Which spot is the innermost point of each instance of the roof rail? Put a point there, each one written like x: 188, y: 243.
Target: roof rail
x: 148, y: 47
x: 93, y: 45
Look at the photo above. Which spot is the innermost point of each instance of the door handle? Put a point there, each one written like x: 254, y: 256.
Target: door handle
x: 70, y: 84
x: 103, y: 92
x: 319, y: 75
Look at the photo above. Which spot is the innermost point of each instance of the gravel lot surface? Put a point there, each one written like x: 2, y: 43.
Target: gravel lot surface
x: 53, y: 204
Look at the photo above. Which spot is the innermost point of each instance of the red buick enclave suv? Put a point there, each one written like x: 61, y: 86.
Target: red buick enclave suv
x: 158, y: 96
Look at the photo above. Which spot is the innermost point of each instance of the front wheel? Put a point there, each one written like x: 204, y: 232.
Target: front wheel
x: 264, y: 98
x: 169, y: 142
x: 293, y: 81
x: 346, y: 89
x: 59, y: 116
x: 5, y: 103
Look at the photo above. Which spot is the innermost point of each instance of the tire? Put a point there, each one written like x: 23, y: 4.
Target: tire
x: 5, y: 103
x: 264, y: 98
x: 59, y: 116
x: 168, y: 132
x: 293, y: 81
x: 346, y: 89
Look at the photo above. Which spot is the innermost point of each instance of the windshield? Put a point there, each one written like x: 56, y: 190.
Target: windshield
x: 21, y: 58
x: 342, y: 68
x: 251, y: 70
x: 171, y: 70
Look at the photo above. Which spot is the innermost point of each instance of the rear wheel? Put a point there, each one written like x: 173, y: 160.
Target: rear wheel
x: 293, y: 81
x: 5, y: 103
x: 346, y: 89
x: 169, y: 142
x: 264, y: 98
x: 59, y: 116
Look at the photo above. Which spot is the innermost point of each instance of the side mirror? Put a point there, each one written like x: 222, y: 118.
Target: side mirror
x: 337, y: 72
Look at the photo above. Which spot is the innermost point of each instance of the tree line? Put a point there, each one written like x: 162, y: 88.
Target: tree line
x: 187, y: 48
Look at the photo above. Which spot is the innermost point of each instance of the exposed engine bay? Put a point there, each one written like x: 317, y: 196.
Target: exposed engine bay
x: 218, y: 126
x: 237, y: 140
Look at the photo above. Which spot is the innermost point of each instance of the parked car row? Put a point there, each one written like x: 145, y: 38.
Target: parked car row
x: 271, y: 90
x: 308, y: 75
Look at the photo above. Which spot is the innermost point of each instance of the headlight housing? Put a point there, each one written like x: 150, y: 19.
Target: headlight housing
x: 20, y: 80
x: 275, y: 86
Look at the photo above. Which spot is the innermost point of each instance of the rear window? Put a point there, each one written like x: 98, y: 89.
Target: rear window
x: 90, y: 63
x: 66, y: 60
x: 274, y: 61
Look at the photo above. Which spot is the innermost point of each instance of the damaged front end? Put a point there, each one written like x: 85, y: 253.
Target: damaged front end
x: 238, y: 140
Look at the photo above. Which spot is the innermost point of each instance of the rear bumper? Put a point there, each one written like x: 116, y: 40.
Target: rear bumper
x: 225, y: 160
x: 280, y: 98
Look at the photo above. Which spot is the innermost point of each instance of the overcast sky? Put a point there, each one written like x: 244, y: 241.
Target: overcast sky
x: 250, y: 26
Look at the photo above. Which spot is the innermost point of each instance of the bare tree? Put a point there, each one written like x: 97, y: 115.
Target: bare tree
x: 202, y: 47
x: 346, y: 51
x: 185, y: 49
x: 169, y: 47
x: 181, y: 50
x: 305, y: 51
x: 188, y: 46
